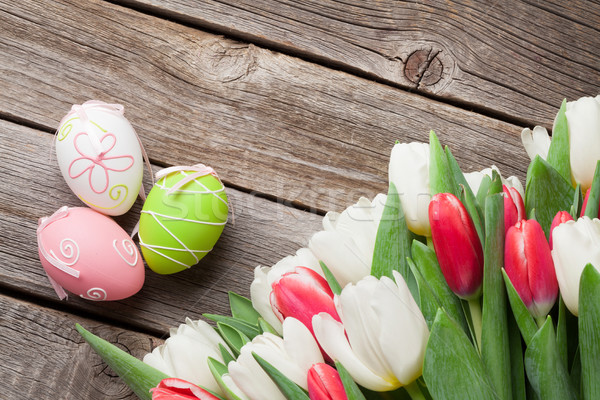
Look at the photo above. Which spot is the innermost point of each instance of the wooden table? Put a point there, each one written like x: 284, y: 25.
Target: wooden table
x: 295, y: 103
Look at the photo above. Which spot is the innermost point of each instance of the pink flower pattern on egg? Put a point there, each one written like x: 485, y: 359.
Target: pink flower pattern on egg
x: 97, y: 164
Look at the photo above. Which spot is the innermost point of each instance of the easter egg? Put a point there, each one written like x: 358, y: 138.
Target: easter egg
x: 89, y: 254
x: 100, y: 156
x: 182, y: 218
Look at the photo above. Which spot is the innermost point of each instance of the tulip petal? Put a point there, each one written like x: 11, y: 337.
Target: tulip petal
x: 251, y: 379
x: 260, y: 290
x: 536, y: 142
x: 300, y: 345
x: 330, y: 334
x: 345, y: 262
x: 363, y: 325
x: 408, y: 352
x: 583, y: 119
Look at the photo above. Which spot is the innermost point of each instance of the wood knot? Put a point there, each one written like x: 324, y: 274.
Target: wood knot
x: 424, y: 68
x: 227, y: 61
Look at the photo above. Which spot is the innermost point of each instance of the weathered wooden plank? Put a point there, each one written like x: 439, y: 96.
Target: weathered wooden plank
x: 269, y: 123
x: 517, y: 58
x: 43, y: 356
x: 263, y: 232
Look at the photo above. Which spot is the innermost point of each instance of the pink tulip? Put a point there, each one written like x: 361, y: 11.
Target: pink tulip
x: 560, y: 218
x: 301, y: 294
x: 457, y: 245
x: 178, y: 389
x: 514, y: 207
x: 528, y: 264
x: 324, y: 383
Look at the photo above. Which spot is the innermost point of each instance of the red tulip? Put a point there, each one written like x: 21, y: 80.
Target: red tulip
x: 301, y: 294
x: 457, y: 245
x: 178, y: 389
x: 528, y: 264
x: 324, y: 383
x: 514, y: 207
x: 559, y: 218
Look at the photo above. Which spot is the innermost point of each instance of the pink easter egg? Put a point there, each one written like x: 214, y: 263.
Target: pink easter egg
x: 89, y: 254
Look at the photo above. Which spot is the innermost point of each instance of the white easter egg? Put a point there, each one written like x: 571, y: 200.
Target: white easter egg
x: 100, y: 156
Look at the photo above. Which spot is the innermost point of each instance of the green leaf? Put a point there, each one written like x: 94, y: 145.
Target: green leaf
x: 227, y: 357
x: 290, y: 390
x: 525, y: 321
x: 350, y: 387
x: 576, y: 372
x: 482, y: 193
x: 247, y: 329
x: 547, y: 192
x: 427, y: 263
x: 140, y: 377
x: 496, y: 185
x: 266, y: 327
x: 441, y: 177
x: 561, y: 332
x: 234, y: 338
x: 495, y: 351
x: 217, y: 369
x: 591, y: 208
x: 517, y: 368
x: 577, y: 203
x: 241, y: 308
x: 546, y: 372
x: 589, y: 332
x: 452, y: 367
x: 558, y: 154
x: 392, y: 245
x: 334, y: 285
x: 427, y: 300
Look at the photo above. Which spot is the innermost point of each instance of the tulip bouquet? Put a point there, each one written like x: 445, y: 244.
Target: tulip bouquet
x: 451, y: 286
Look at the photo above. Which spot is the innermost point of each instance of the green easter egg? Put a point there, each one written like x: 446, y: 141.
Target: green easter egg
x: 179, y: 227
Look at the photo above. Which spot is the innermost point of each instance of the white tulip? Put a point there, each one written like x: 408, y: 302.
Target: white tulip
x: 382, y: 338
x: 583, y: 122
x: 583, y: 119
x: 347, y: 242
x: 292, y: 356
x: 409, y: 172
x: 474, y: 180
x: 185, y: 353
x: 575, y: 244
x: 264, y: 277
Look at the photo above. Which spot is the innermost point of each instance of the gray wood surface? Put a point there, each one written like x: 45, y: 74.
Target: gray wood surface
x: 517, y: 59
x: 296, y: 104
x: 244, y: 110
x: 49, y: 359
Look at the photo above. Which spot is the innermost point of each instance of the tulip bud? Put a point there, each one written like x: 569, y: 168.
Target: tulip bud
x: 576, y: 243
x: 514, y: 207
x: 528, y: 264
x: 178, y: 389
x: 457, y: 245
x: 583, y: 120
x: 301, y: 294
x: 560, y: 218
x: 324, y: 383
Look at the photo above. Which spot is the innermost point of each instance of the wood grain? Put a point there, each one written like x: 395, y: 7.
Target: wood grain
x: 266, y: 122
x: 43, y: 356
x: 515, y: 58
x: 262, y: 233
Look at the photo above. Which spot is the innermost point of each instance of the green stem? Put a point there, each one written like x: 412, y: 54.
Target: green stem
x: 430, y: 243
x: 540, y: 320
x: 475, y: 308
x: 414, y: 391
